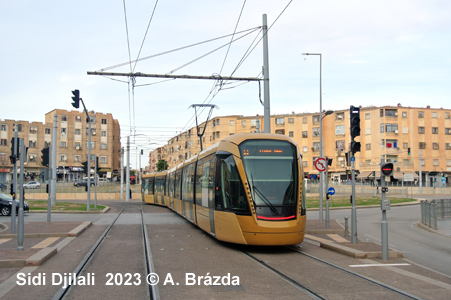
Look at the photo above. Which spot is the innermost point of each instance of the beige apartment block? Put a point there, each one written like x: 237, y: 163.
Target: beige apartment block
x: 71, y: 144
x: 386, y: 132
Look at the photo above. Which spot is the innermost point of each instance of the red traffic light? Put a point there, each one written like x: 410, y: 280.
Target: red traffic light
x: 387, y: 169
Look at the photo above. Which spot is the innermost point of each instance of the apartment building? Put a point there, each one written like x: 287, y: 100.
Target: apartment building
x: 388, y: 131
x: 72, y: 142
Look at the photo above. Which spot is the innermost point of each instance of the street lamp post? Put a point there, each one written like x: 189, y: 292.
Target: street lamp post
x: 321, y: 151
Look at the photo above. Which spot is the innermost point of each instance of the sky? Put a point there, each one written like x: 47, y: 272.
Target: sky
x: 373, y: 53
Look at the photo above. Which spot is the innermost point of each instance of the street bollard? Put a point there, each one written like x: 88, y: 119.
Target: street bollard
x: 346, y: 227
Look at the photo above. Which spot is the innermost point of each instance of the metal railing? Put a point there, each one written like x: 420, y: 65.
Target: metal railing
x: 430, y: 210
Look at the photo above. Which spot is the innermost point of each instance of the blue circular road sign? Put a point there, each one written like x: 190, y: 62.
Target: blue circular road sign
x: 331, y: 191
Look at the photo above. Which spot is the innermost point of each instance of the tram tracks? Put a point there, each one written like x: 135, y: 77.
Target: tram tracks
x: 315, y: 290
x: 91, y: 256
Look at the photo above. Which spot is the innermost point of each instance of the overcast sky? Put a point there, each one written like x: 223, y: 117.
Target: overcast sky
x: 373, y: 53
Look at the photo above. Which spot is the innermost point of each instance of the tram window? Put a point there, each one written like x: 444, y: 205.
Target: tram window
x: 188, y: 183
x: 145, y: 185
x: 230, y: 187
x: 178, y: 179
x: 150, y: 186
x: 204, y: 182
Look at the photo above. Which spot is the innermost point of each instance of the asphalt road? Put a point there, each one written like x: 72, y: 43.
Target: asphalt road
x: 418, y: 245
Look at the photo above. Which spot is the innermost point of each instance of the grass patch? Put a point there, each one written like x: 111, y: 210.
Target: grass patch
x: 61, y: 206
x: 344, y: 201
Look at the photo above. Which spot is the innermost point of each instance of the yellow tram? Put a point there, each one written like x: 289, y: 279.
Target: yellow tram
x: 246, y: 189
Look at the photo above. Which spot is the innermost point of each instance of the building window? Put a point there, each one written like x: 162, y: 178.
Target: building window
x: 305, y: 164
x: 103, y: 133
x: 4, y: 127
x: 63, y: 118
x: 339, y: 116
x: 435, y: 146
x: 232, y: 123
x: 63, y: 144
x: 421, y: 114
x: 93, y: 145
x: 434, y: 115
x: 32, y: 157
x: 422, y: 145
x: 434, y: 130
x: 305, y: 134
x: 315, y: 131
x: 243, y: 123
x: 448, y: 146
x: 103, y: 146
x: 280, y: 131
x: 47, y: 131
x: 382, y: 127
x: 367, y: 116
x: 316, y: 119
x: 405, y: 129
x: 405, y: 145
x: 104, y: 121
x: 404, y: 114
x: 290, y: 134
x: 391, y: 128
x: 4, y: 142
x: 63, y: 130
x: 77, y: 158
x: 19, y: 127
x: 391, y: 112
x: 392, y: 144
x: 447, y: 131
x: 33, y: 129
x: 368, y: 146
x: 32, y: 144
x: 305, y: 149
x: 77, y: 118
x: 63, y: 157
x: 435, y: 162
x: 77, y: 145
x: 447, y: 115
x: 290, y: 120
x: 304, y: 120
x: 46, y: 144
x: 340, y: 130
x: 340, y: 144
x: 280, y: 121
x: 421, y: 130
x: 315, y: 146
x: 77, y: 131
x: 103, y: 159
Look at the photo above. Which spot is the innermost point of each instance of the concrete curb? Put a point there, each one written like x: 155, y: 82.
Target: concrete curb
x: 353, y: 252
x: 107, y: 208
x: 75, y: 232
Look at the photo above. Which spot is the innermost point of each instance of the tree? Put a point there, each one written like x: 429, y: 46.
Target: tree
x: 162, y: 165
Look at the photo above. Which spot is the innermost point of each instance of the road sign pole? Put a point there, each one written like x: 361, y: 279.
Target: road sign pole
x: 326, y: 178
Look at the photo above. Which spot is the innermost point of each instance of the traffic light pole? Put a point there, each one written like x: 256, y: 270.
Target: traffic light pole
x: 88, y: 171
x: 49, y: 208
x: 353, y: 209
x: 20, y: 223
x: 13, y: 216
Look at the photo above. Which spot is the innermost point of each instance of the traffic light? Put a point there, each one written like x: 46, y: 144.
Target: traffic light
x: 355, y: 128
x: 12, y: 158
x: 11, y: 189
x: 76, y: 98
x: 387, y: 169
x: 45, y: 157
x: 408, y: 151
x: 47, y: 188
x: 17, y: 147
x: 85, y: 166
x: 355, y: 121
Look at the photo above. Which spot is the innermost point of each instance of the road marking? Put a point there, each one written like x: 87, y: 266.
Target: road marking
x: 379, y: 265
x: 45, y: 243
x: 4, y: 240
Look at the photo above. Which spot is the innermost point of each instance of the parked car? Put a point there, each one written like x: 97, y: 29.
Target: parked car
x: 6, y: 203
x: 84, y: 182
x: 32, y: 185
x: 3, y: 187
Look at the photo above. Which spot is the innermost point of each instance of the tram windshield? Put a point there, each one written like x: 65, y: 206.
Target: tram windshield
x: 272, y: 172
